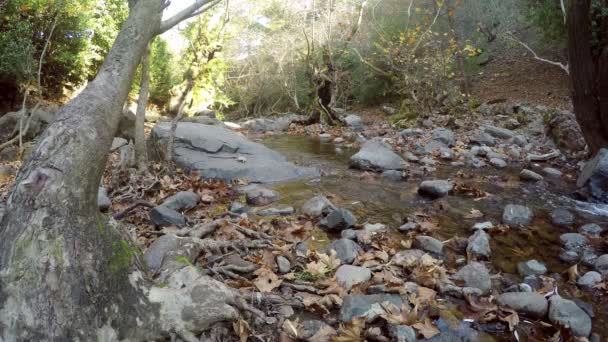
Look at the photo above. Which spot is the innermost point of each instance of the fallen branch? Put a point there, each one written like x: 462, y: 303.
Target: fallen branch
x: 140, y: 203
x: 566, y: 68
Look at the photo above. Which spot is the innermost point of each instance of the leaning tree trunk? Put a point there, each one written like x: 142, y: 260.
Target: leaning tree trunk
x: 141, y: 155
x: 589, y: 77
x: 66, y: 272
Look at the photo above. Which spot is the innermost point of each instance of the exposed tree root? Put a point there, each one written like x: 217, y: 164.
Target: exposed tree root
x: 140, y: 203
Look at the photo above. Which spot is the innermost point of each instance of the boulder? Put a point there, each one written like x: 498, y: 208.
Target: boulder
x: 362, y: 305
x: 436, y: 188
x: 162, y: 216
x: 375, y: 155
x: 317, y: 206
x: 354, y: 122
x: 529, y: 303
x: 429, y: 244
x: 529, y: 175
x: 475, y: 275
x: 155, y: 254
x: 217, y: 153
x: 566, y: 313
x: 531, y: 267
x: 338, y: 220
x: 346, y: 250
x: 182, y: 200
x: 258, y: 195
x: 261, y: 125
x: 594, y: 177
x: 444, y: 136
x: 515, y: 215
x: 348, y: 276
x: 498, y: 132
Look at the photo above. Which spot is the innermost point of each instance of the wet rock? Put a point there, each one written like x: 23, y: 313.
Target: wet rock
x: 515, y: 215
x: 363, y: 305
x: 569, y: 257
x: 338, y: 220
x: 408, y: 227
x: 483, y: 139
x: 483, y: 226
x: 475, y: 275
x: 552, y: 173
x: 259, y: 195
x: 601, y: 264
x: 529, y: 175
x: 407, y: 258
x: 354, y: 122
x: 348, y: 276
x: 411, y: 132
x: 214, y: 152
x: 531, y: 267
x: 574, y: 241
x: 498, y: 163
x: 519, y: 140
x: 501, y: 133
x: 317, y: 206
x: 155, y: 254
x: 103, y: 201
x: 350, y: 234
x: 162, y: 216
x: 534, y: 281
x: 435, y: 188
x: 444, y: 136
x: 562, y: 127
x: 346, y: 250
x: 433, y: 146
x: 393, y: 175
x: 283, y: 264
x: 375, y: 155
x: 182, y: 200
x: 316, y: 331
x: 589, y: 279
x: 566, y: 313
x: 238, y: 208
x: 429, y: 244
x: 479, y: 245
x: 529, y: 303
x: 594, y: 177
x: 591, y: 229
x: 277, y: 211
x: 402, y: 333
x: 588, y: 257
x: 325, y: 137
x: 562, y: 217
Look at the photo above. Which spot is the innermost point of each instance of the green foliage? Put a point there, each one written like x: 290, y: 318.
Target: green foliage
x: 17, y: 52
x: 162, y: 71
x: 548, y: 17
x: 122, y: 257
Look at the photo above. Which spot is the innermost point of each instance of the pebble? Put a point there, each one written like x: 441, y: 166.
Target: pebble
x: 429, y: 244
x: 435, y: 188
x: 479, y: 245
x: 408, y: 227
x: 531, y: 267
x: 574, y: 241
x: 475, y: 275
x: 182, y: 200
x: 529, y: 175
x: 589, y: 279
x: 348, y: 276
x: 283, y: 264
x: 601, y: 264
x: 162, y: 216
x: 346, y: 250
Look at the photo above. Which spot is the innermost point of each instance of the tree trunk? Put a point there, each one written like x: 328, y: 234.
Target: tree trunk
x: 141, y: 155
x: 587, y: 75
x: 66, y: 272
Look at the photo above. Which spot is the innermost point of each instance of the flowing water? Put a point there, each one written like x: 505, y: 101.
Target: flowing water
x: 378, y: 200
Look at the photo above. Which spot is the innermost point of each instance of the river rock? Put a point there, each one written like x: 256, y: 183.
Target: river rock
x: 317, y: 206
x: 601, y: 264
x: 283, y: 210
x: 479, y: 244
x: 261, y: 125
x: 552, y: 173
x: 591, y: 229
x: 515, y: 215
x: 354, y: 122
x: 407, y: 258
x: 483, y: 139
x: 531, y: 267
x: 338, y: 220
x: 476, y: 275
x: 258, y: 195
x: 350, y: 234
x: 589, y: 279
x: 283, y: 264
x: 483, y: 226
x: 393, y: 175
x: 103, y: 201
x: 346, y: 250
x: 444, y: 135
x: 566, y: 313
x: 376, y: 155
x: 155, y: 254
x: 362, y: 305
x: 529, y: 175
x: 182, y: 200
x: 411, y: 132
x: 162, y: 216
x: 498, y: 132
x: 562, y: 217
x: 594, y: 177
x: 498, y: 163
x: 435, y: 188
x: 216, y: 152
x: 348, y: 276
x: 574, y: 241
x: 402, y: 333
x: 238, y: 208
x: 2, y: 210
x: 529, y: 303
x: 429, y: 244
x: 408, y: 227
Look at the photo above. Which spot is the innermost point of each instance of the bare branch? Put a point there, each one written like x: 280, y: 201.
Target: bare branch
x: 564, y: 11
x: 198, y: 7
x: 565, y: 67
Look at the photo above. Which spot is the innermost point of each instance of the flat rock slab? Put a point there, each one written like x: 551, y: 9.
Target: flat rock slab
x: 362, y: 305
x: 530, y: 303
x: 217, y: 152
x: 376, y: 155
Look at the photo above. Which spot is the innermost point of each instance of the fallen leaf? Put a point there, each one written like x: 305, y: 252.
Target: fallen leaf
x: 266, y: 280
x: 426, y: 328
x: 352, y: 331
x: 474, y: 214
x: 242, y: 329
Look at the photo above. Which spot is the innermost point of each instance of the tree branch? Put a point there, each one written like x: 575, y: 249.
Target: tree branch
x: 198, y: 7
x: 565, y: 67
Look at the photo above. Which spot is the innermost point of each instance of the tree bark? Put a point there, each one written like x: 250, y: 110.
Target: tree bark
x: 587, y: 76
x: 141, y: 155
x: 66, y: 272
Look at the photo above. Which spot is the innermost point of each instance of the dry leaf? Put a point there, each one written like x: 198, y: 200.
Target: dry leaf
x: 474, y: 214
x: 426, y: 328
x: 242, y: 329
x: 352, y: 331
x: 572, y: 274
x: 266, y: 280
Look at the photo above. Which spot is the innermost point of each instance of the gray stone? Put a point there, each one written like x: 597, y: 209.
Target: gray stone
x: 444, y: 136
x: 402, y: 333
x: 376, y: 155
x: 519, y: 140
x: 118, y: 143
x: 348, y: 276
x: 354, y: 122
x: 531, y: 267
x: 566, y: 313
x: 592, y: 229
x: 301, y: 248
x: 533, y: 281
x: 350, y: 234
x: 325, y: 137
x: 238, y: 208
x: 483, y: 139
x: 496, y: 155
x: 569, y: 257
x: 259, y: 195
x: 483, y: 226
x: 103, y: 201
x: 317, y: 206
x: 182, y: 200
x: 408, y: 227
x: 458, y: 332
x: 155, y: 254
x: 309, y: 330
x: 501, y: 133
x: 262, y: 125
x: 433, y: 146
x: 588, y: 257
x: 562, y: 217
x: 552, y: 173
x: 361, y: 305
x: 594, y: 176
x: 589, y: 279
x: 529, y: 303
x: 574, y: 241
x: 435, y: 188
x: 283, y: 264
x: 498, y: 163
x: 479, y: 244
x: 409, y: 156
x: 529, y: 175
x: 445, y: 153
x: 601, y: 264
x: 407, y: 258
x: 338, y: 220
x: 515, y: 215
x: 215, y: 152
x: 411, y: 132
x: 522, y: 287
x: 475, y: 275
x: 283, y: 210
x: 2, y: 210
x: 393, y: 175
x: 429, y: 244
x: 346, y: 250
x: 162, y: 216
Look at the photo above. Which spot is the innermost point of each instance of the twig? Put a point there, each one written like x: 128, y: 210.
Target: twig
x: 565, y: 67
x: 139, y: 203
